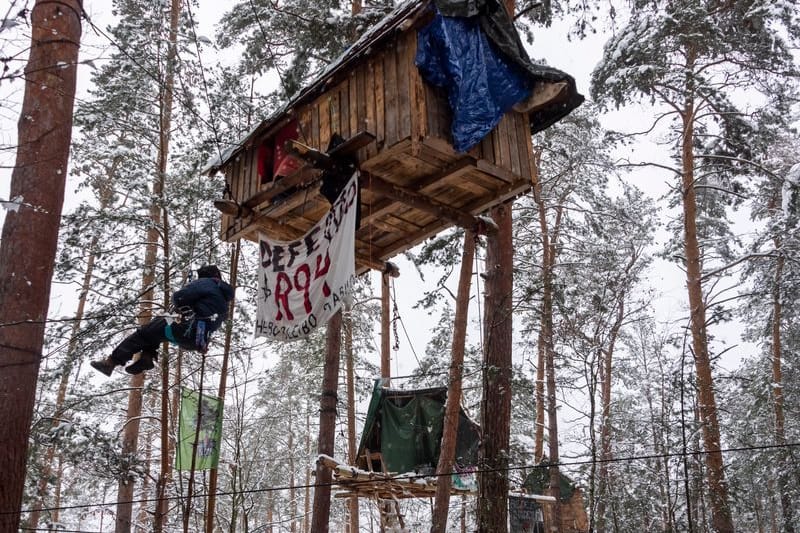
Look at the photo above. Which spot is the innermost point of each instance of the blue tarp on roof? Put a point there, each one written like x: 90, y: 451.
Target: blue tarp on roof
x: 482, y: 85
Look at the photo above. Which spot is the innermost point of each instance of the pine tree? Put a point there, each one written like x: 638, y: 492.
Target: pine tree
x: 296, y: 38
x: 37, y: 187
x: 772, y: 291
x: 691, y: 57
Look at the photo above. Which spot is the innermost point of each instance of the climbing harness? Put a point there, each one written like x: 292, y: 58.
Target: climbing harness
x: 187, y: 315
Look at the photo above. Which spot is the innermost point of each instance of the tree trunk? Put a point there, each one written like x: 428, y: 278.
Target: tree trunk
x: 30, y: 232
x: 66, y: 372
x: 157, y: 215
x: 554, y: 488
x: 223, y: 380
x: 292, y: 489
x: 386, y: 353
x: 545, y: 371
x: 777, y: 390
x: 161, y: 504
x: 545, y: 329
x: 715, y: 475
x: 327, y: 423
x: 307, y: 505
x: 453, y: 406
x: 147, y: 460
x: 496, y: 401
x: 351, y: 413
x: 605, y: 399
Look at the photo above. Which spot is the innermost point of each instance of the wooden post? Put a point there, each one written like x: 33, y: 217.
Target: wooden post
x: 351, y: 413
x: 453, y: 405
x: 327, y: 424
x: 30, y: 233
x: 223, y: 380
x: 307, y: 502
x: 496, y: 402
x: 386, y: 354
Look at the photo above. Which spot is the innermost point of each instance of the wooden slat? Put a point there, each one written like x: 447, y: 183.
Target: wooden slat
x: 304, y: 198
x: 380, y: 105
x: 335, y: 125
x: 344, y: 106
x: 391, y: 96
x: 245, y: 175
x: 369, y: 93
x: 403, y: 86
x: 360, y: 103
x: 352, y: 101
x: 303, y: 175
x: 313, y: 139
x: 304, y: 124
x: 543, y: 94
x: 324, y: 122
x: 502, y: 139
x: 432, y: 115
x: 255, y: 181
x: 513, y: 145
x: 419, y: 122
x: 422, y: 202
x: 237, y: 169
x: 524, y: 142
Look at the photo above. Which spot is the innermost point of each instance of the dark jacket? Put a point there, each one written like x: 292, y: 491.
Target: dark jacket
x: 208, y: 298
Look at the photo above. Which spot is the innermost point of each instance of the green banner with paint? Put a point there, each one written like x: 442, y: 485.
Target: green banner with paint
x: 199, y: 430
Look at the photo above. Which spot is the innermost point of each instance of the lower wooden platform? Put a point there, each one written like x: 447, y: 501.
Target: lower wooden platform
x: 352, y: 481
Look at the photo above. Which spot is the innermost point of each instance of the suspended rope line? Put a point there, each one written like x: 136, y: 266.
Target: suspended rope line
x: 205, y: 85
x: 478, y: 293
x: 274, y: 60
x: 397, y: 318
x: 188, y: 510
x: 96, y: 325
x: 145, y: 70
x: 405, y: 477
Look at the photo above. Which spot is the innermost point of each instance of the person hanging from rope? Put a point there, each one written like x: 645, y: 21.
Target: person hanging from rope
x: 202, y: 306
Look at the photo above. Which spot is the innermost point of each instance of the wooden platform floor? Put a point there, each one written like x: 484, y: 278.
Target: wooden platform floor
x: 389, y: 227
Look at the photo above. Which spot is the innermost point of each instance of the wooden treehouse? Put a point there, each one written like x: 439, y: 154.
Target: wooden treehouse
x: 373, y: 111
x: 413, y: 183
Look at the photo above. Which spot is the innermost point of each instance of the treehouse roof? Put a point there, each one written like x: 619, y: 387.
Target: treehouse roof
x: 408, y: 15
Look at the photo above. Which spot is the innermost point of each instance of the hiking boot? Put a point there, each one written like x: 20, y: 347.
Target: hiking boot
x: 145, y: 362
x: 106, y: 366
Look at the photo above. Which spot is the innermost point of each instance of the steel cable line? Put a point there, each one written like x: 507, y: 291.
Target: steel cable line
x: 153, y: 76
x: 406, y: 477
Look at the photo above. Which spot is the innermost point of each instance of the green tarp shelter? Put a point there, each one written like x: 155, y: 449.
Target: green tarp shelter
x: 405, y: 426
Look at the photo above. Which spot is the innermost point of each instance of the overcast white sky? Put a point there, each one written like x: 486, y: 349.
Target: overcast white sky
x: 577, y: 58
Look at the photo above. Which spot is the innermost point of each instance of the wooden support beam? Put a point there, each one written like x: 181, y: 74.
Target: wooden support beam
x: 429, y: 205
x: 382, y: 207
x: 386, y: 354
x: 353, y: 144
x: 543, y: 94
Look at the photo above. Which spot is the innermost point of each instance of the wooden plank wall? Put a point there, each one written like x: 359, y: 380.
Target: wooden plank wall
x: 385, y: 95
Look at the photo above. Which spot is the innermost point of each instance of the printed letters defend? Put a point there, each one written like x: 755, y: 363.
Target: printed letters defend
x: 304, y: 282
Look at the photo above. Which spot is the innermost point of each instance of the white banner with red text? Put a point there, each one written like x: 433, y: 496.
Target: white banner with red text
x: 304, y: 282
